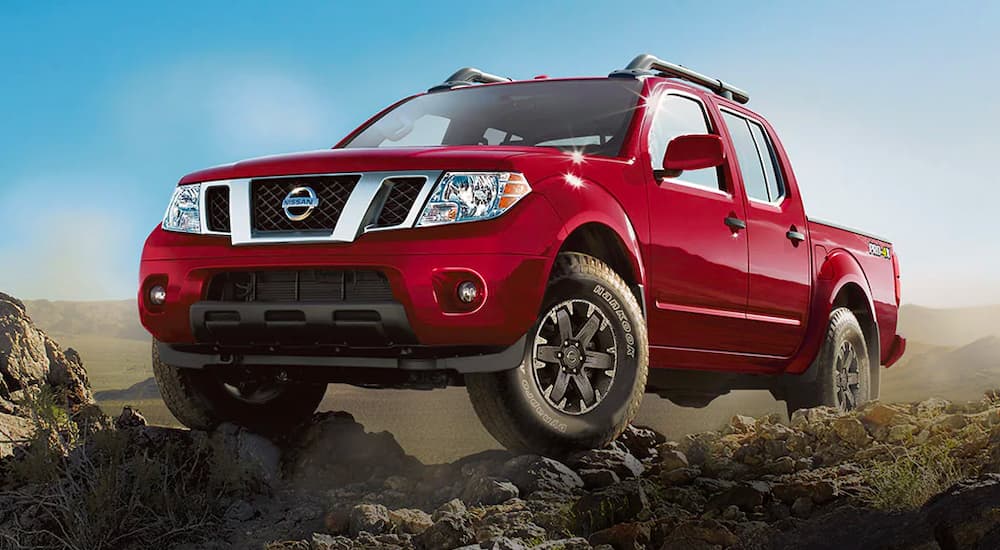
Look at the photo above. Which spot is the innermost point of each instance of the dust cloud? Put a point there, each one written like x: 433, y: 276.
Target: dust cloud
x: 441, y: 426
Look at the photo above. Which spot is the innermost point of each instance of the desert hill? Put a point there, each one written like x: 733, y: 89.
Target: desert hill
x: 953, y: 373
x: 948, y: 326
x: 116, y: 319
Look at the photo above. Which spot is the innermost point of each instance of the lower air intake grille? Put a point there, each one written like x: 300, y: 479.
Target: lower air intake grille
x: 402, y: 196
x: 300, y: 286
x: 217, y: 209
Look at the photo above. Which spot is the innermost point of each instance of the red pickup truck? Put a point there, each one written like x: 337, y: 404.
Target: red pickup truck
x: 558, y: 246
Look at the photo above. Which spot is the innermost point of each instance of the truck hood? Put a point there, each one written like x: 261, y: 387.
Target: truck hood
x: 360, y: 160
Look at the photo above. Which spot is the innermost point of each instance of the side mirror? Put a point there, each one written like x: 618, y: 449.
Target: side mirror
x: 692, y: 152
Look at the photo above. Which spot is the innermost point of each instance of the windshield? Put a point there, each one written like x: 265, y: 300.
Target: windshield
x: 591, y: 116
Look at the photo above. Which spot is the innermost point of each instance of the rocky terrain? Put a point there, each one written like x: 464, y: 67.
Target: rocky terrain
x: 900, y: 476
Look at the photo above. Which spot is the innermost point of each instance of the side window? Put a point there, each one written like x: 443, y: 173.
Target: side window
x: 677, y: 116
x: 775, y: 184
x: 751, y: 168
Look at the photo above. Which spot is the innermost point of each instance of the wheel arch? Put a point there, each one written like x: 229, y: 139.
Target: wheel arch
x: 842, y: 283
x: 602, y: 241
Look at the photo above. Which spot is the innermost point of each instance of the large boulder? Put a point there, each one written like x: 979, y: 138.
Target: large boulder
x: 30, y: 359
x: 30, y: 362
x: 334, y: 450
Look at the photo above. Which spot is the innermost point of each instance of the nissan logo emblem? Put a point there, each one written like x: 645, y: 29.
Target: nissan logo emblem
x: 299, y: 203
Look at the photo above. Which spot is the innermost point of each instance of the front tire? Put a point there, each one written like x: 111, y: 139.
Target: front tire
x: 201, y: 400
x: 584, y: 371
x: 843, y: 378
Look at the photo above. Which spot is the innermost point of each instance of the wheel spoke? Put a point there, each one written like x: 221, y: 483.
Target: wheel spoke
x: 559, y: 387
x: 548, y: 354
x: 849, y: 399
x: 565, y: 326
x: 588, y: 331
x: 586, y: 390
x: 598, y: 360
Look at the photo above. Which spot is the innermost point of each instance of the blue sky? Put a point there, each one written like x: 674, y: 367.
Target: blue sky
x: 887, y: 109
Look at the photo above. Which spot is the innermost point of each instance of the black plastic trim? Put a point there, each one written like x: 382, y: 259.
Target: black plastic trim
x: 506, y: 359
x: 279, y: 323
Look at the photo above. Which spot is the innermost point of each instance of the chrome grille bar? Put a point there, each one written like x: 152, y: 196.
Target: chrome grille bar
x: 358, y: 214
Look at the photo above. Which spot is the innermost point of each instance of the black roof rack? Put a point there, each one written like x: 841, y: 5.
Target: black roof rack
x: 645, y: 65
x: 467, y: 76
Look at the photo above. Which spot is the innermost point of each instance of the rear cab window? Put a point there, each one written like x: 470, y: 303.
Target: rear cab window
x: 756, y: 157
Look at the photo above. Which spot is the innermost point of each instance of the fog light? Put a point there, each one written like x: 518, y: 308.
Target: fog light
x: 468, y: 292
x: 157, y: 295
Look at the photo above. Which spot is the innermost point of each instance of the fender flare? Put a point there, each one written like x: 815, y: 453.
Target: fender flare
x: 839, y: 270
x: 596, y: 205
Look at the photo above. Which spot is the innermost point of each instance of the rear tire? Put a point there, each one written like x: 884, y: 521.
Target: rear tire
x: 584, y: 371
x: 843, y: 378
x: 201, y: 400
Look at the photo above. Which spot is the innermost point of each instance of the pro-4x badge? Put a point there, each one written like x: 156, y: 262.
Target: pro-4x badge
x: 876, y: 249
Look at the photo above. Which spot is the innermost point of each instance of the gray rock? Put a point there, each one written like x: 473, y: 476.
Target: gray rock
x: 575, y: 543
x: 618, y: 461
x: 335, y: 450
x: 502, y: 543
x: 488, y: 490
x: 322, y: 541
x: 619, y: 503
x: 819, y: 491
x: 744, y: 496
x: 707, y: 531
x: 129, y: 418
x: 453, y: 506
x: 597, y: 479
x: 30, y: 360
x: 240, y: 510
x: 410, y: 521
x: 451, y: 531
x: 258, y: 454
x: 624, y: 536
x: 641, y: 442
x: 802, y: 507
x: 369, y: 518
x: 672, y: 460
x: 965, y: 516
x: 531, y: 473
x: 680, y: 476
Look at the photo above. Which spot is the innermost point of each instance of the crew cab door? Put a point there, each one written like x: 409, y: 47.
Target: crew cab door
x: 779, y: 291
x: 697, y: 275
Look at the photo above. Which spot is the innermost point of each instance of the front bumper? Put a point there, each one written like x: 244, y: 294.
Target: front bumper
x: 512, y: 256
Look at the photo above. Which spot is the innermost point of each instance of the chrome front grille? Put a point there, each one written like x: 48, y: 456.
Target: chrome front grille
x: 268, y: 194
x: 341, y: 206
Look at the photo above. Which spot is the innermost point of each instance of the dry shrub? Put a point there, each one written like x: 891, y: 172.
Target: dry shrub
x: 910, y: 480
x: 115, y: 489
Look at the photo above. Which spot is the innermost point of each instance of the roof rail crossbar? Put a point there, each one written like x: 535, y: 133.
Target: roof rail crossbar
x: 645, y: 64
x: 467, y: 76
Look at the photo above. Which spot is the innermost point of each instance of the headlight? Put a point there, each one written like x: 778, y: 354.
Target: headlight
x: 184, y: 212
x: 473, y: 196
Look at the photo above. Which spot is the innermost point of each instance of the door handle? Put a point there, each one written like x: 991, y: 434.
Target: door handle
x: 735, y: 223
x: 795, y: 235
